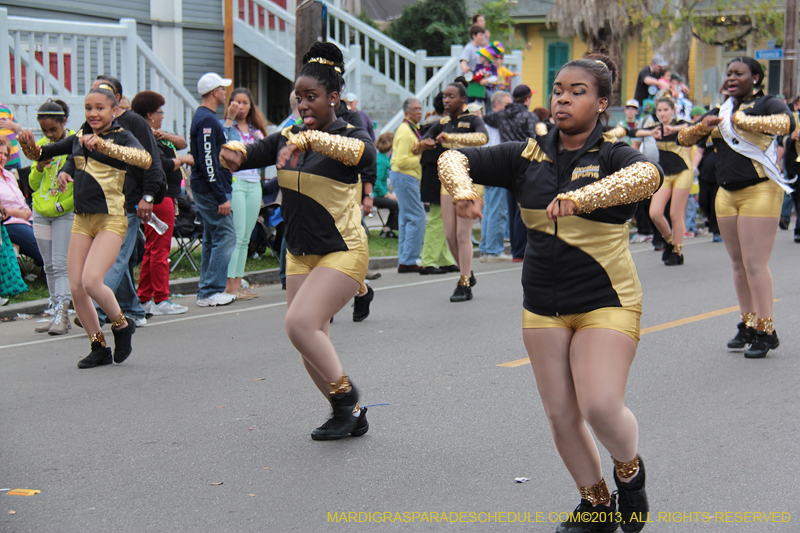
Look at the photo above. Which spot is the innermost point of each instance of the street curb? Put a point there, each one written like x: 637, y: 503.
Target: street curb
x: 186, y: 286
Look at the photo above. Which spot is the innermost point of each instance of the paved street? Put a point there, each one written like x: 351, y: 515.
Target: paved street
x: 206, y: 426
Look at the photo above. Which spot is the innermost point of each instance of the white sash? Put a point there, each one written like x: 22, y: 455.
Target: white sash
x: 768, y: 158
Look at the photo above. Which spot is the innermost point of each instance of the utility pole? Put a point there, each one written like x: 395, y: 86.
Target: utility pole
x: 228, y: 37
x: 309, y: 29
x: 790, y: 51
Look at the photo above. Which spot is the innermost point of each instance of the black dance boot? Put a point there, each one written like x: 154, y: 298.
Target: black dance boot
x: 100, y: 354
x: 746, y: 335
x: 361, y: 305
x: 342, y: 422
x: 122, y: 338
x: 588, y: 518
x: 762, y: 343
x: 633, y: 506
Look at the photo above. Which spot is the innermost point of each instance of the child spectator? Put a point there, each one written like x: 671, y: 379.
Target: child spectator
x: 383, y: 197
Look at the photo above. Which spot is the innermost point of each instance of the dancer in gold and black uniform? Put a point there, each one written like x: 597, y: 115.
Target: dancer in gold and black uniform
x: 749, y: 200
x: 457, y: 129
x: 101, y: 152
x: 576, y: 188
x: 318, y: 171
x: 678, y: 178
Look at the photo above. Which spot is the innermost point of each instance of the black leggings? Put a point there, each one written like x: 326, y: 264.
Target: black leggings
x: 391, y: 205
x: 706, y: 198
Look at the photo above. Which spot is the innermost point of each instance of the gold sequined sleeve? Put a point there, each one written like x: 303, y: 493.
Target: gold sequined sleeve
x: 691, y: 135
x: 454, y: 175
x: 346, y: 150
x: 467, y: 139
x: 777, y: 124
x: 127, y: 154
x: 236, y: 146
x: 418, y: 148
x: 619, y: 132
x: 31, y: 151
x: 631, y: 184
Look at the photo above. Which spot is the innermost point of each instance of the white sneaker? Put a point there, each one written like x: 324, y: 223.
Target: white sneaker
x: 140, y: 322
x: 220, y: 298
x: 148, y: 307
x: 168, y: 307
x: 499, y: 258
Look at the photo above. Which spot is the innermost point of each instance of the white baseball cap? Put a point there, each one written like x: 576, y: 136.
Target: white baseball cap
x: 350, y: 97
x: 210, y: 81
x: 632, y: 103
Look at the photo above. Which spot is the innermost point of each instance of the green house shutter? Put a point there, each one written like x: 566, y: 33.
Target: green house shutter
x: 557, y: 57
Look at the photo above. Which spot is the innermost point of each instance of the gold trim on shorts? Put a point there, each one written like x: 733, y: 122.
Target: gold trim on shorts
x: 623, y: 319
x: 90, y: 224
x: 681, y: 180
x: 764, y: 199
x: 354, y: 263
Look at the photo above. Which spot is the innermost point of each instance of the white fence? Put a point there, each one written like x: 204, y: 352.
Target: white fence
x: 60, y: 59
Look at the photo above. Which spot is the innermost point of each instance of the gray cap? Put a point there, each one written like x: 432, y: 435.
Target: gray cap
x: 659, y: 60
x: 349, y: 97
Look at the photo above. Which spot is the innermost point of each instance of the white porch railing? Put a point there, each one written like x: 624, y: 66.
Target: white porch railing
x: 74, y: 54
x: 266, y: 32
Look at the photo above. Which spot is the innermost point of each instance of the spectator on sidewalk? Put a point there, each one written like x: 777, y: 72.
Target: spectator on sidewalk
x: 153, y: 290
x: 495, y: 209
x: 9, y: 127
x: 352, y: 102
x: 19, y: 222
x: 212, y: 187
x: 405, y: 177
x: 141, y: 188
x: 515, y: 123
x: 384, y: 198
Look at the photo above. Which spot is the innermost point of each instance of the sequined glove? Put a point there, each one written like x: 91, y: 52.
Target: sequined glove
x: 133, y: 156
x: 454, y: 175
x: 343, y: 149
x: 631, y: 184
x: 462, y: 140
x: 691, y: 135
x: 235, y: 146
x: 31, y: 151
x: 769, y: 124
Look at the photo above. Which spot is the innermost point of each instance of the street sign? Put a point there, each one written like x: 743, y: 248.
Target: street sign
x: 771, y: 44
x: 769, y: 55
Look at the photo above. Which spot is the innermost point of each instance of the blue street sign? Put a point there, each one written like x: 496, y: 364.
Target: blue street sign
x: 769, y: 55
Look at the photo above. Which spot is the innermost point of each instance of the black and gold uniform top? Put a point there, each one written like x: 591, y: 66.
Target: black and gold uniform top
x: 99, y: 176
x: 321, y: 193
x: 466, y: 130
x: 577, y: 263
x: 758, y: 119
x: 673, y: 157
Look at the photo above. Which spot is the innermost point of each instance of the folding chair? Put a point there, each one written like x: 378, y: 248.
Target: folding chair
x: 188, y: 234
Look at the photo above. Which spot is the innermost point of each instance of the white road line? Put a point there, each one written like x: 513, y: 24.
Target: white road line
x: 248, y: 309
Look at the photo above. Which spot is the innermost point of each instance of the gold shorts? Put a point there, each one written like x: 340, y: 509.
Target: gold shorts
x: 681, y: 180
x: 622, y: 319
x: 90, y: 224
x: 764, y: 199
x: 354, y: 263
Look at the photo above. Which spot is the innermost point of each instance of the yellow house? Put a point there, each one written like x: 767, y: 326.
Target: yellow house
x: 545, y: 52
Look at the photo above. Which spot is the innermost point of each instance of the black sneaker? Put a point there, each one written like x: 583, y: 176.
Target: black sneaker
x: 472, y: 279
x: 674, y: 259
x: 783, y: 223
x: 342, y: 422
x: 601, y: 519
x: 101, y: 355
x: 122, y: 340
x: 797, y: 237
x: 633, y: 506
x: 362, y: 426
x: 461, y: 294
x: 667, y: 252
x: 451, y: 268
x: 388, y: 234
x: 743, y: 337
x: 361, y: 305
x: 762, y: 344
x: 427, y: 271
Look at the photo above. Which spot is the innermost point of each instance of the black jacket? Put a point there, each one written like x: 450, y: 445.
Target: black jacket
x: 579, y: 263
x: 140, y: 182
x: 515, y: 123
x: 319, y: 207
